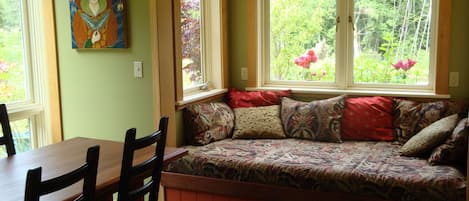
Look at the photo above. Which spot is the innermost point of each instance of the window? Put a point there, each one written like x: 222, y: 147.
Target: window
x: 191, y: 22
x: 352, y: 44
x: 200, y: 22
x: 22, y: 72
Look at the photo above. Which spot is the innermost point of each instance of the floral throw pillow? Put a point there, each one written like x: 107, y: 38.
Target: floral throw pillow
x: 410, y: 117
x: 454, y: 150
x: 317, y: 120
x: 258, y: 122
x: 208, y: 122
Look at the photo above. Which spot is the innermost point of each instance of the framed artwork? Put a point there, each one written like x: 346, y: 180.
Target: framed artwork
x: 98, y: 23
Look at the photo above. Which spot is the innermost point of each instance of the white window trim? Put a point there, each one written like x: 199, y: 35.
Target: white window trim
x: 211, y: 41
x: 344, y: 82
x: 36, y: 106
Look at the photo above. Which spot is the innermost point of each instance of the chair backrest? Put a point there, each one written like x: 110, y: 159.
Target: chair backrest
x: 7, y: 138
x: 35, y: 188
x: 131, y: 186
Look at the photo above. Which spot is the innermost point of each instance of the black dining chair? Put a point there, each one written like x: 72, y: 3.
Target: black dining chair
x: 35, y: 188
x: 7, y: 138
x: 131, y: 186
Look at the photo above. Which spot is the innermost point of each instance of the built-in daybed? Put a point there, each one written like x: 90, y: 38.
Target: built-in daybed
x: 360, y: 168
x: 298, y: 169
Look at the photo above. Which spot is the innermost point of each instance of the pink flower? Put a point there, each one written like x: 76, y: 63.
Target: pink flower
x: 305, y: 59
x: 302, y: 61
x: 324, y: 72
x: 404, y: 65
x: 398, y: 65
x: 313, y: 74
x: 411, y: 63
x: 312, y: 55
x: 3, y: 66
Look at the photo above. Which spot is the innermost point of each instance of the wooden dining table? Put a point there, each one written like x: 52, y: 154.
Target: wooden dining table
x: 60, y: 158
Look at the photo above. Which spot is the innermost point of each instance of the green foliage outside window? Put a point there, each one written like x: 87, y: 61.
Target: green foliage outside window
x: 12, y: 75
x: 391, y: 40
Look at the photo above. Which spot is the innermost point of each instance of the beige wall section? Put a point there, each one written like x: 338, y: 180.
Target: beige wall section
x: 240, y: 44
x: 100, y: 98
x: 52, y: 71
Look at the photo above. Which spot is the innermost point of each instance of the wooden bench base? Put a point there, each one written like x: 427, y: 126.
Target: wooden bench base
x: 181, y: 187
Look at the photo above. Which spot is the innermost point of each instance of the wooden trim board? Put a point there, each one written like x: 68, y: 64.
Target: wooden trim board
x: 175, y: 184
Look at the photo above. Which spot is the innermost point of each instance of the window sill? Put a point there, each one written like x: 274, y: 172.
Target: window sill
x: 357, y: 92
x: 22, y: 111
x: 200, y: 97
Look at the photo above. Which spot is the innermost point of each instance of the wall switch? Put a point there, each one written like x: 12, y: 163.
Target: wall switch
x: 138, y: 69
x: 244, y: 73
x: 453, y: 79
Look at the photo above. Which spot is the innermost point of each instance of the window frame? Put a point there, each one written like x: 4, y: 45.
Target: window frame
x: 40, y: 75
x: 344, y: 58
x: 212, y: 50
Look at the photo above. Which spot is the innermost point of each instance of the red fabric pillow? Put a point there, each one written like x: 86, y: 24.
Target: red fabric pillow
x: 368, y: 118
x: 238, y: 98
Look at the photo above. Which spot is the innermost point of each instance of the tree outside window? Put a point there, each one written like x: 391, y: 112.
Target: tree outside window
x: 391, y: 40
x: 191, y: 42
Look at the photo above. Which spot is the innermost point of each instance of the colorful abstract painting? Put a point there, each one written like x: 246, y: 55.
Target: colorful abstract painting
x: 98, y: 23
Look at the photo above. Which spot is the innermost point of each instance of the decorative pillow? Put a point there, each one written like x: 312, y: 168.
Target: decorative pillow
x: 258, y: 122
x: 237, y: 98
x: 317, y: 120
x: 411, y: 117
x: 454, y: 150
x: 208, y: 122
x: 368, y: 118
x: 430, y: 137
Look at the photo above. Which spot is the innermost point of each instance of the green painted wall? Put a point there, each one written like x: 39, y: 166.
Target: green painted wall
x: 459, y: 52
x: 100, y: 97
x: 459, y: 43
x: 238, y: 34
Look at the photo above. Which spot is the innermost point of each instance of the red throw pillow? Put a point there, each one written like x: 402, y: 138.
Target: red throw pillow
x: 238, y: 98
x: 368, y: 118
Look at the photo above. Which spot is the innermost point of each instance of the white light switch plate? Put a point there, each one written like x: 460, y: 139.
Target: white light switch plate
x: 138, y: 69
x: 453, y: 79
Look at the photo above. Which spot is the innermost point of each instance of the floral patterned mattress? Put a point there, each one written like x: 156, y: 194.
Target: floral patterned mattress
x: 363, y: 168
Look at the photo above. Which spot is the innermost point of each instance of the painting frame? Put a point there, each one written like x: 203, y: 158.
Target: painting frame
x: 98, y: 24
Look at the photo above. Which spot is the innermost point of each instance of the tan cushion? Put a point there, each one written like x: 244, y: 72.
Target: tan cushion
x: 258, y: 122
x: 430, y: 137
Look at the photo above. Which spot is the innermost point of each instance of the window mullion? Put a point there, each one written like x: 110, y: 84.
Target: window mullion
x: 349, y: 42
x: 341, y: 44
